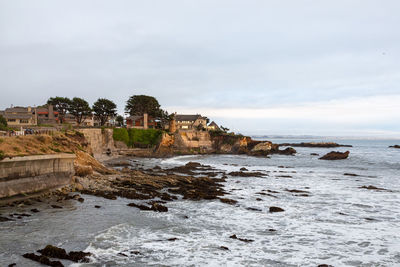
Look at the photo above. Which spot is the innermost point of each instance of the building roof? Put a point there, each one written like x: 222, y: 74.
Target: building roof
x: 183, y: 117
x: 134, y: 118
x: 213, y: 124
x: 17, y: 110
x: 24, y: 116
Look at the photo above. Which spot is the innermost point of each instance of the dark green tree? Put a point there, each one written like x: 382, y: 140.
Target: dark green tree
x: 60, y: 104
x: 140, y: 104
x: 224, y: 129
x: 104, y: 109
x: 79, y: 108
x: 3, y: 123
x: 165, y: 118
x: 120, y: 120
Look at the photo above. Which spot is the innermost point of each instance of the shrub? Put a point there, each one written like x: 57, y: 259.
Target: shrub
x: 144, y: 138
x: 3, y: 123
x: 121, y: 134
x: 2, y: 155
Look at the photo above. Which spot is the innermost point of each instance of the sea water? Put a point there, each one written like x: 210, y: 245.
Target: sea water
x: 338, y: 223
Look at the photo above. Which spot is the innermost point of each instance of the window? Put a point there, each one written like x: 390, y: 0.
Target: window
x: 23, y: 121
x: 11, y: 120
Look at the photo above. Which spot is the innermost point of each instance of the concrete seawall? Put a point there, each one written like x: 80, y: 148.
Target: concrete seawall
x: 33, y: 174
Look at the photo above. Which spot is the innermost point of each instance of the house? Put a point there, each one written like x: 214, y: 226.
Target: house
x: 47, y: 115
x: 87, y: 121
x: 20, y: 116
x: 141, y: 122
x: 190, y: 122
x: 213, y: 127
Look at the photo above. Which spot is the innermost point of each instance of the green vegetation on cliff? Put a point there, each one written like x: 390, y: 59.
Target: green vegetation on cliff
x: 137, y: 137
x: 121, y: 134
x: 144, y: 138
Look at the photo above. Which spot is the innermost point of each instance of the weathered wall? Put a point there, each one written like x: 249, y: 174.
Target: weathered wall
x: 99, y: 140
x: 193, y: 139
x: 31, y: 174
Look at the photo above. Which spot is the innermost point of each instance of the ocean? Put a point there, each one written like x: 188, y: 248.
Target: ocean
x: 328, y: 217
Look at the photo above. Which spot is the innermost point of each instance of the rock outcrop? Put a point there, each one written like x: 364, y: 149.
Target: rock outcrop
x: 395, y: 146
x: 315, y: 144
x: 336, y: 155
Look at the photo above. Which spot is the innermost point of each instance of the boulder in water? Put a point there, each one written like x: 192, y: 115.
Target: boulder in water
x: 336, y: 155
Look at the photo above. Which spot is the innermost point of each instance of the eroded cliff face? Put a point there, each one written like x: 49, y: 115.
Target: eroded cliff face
x: 100, y: 140
x: 196, y: 142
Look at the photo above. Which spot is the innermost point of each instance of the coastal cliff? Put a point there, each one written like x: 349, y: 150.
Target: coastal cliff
x: 197, y: 142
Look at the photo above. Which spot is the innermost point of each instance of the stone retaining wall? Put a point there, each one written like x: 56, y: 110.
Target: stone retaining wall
x: 32, y: 174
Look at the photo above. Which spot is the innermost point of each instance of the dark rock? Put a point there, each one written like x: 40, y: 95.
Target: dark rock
x: 241, y: 239
x: 259, y: 199
x: 224, y: 248
x: 275, y: 209
x: 284, y: 176
x: 314, y: 154
x: 154, y: 207
x: 253, y: 209
x: 158, y: 207
x: 12, y: 265
x: 286, y: 151
x: 247, y: 174
x: 192, y: 164
x: 5, y: 219
x: 60, y: 253
x: 141, y: 207
x: 35, y: 210
x: 395, y: 146
x: 243, y: 169
x: 135, y: 252
x: 296, y: 191
x: 43, y: 260
x: 324, y: 265
x: 172, y: 239
x: 122, y: 254
x: 79, y: 256
x: 81, y: 199
x: 228, y: 201
x: 371, y: 187
x: 271, y: 230
x: 56, y: 207
x: 97, y: 206
x: 351, y: 174
x: 336, y: 155
x: 54, y: 252
x: 312, y: 144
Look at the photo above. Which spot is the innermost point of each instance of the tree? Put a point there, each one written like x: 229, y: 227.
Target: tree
x: 79, y: 108
x: 165, y: 118
x: 60, y: 104
x: 140, y: 104
x: 3, y: 123
x: 120, y: 120
x: 103, y: 109
x: 224, y: 129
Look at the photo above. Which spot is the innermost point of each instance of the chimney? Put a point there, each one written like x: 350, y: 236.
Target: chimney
x: 51, y: 112
x: 145, y: 120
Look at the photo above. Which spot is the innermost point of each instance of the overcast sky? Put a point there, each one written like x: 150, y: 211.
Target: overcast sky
x: 257, y: 67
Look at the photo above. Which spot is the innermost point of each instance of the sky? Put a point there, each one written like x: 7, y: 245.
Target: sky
x: 255, y: 66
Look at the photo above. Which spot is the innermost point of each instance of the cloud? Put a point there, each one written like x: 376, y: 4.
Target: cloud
x: 379, y: 114
x: 236, y: 59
